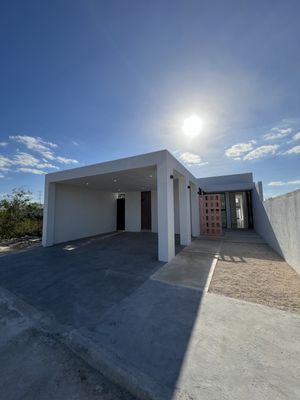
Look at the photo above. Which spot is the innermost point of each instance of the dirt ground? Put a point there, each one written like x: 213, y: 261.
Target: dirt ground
x: 16, y: 244
x: 254, y: 272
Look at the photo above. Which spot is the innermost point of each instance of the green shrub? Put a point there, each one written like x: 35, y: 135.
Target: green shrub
x: 19, y: 216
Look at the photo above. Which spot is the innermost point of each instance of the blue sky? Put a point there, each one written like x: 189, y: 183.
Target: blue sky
x: 88, y: 81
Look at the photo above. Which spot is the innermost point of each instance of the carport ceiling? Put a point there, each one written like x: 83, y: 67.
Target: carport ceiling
x: 131, y: 180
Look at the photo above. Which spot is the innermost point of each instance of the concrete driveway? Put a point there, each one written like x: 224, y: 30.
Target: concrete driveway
x: 78, y: 282
x: 151, y: 327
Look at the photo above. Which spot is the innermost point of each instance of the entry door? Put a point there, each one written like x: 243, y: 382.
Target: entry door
x: 120, y: 214
x: 146, y: 210
x: 210, y: 214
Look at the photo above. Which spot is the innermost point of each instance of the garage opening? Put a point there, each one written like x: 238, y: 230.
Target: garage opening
x: 146, y: 210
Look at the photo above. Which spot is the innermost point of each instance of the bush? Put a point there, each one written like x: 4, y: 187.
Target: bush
x: 19, y: 216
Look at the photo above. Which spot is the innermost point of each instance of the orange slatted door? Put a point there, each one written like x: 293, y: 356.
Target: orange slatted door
x: 210, y: 214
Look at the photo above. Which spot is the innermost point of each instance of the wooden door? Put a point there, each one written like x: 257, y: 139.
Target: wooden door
x: 210, y: 214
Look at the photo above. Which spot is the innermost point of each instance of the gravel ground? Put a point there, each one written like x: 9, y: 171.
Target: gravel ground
x: 254, y: 272
x: 17, y: 244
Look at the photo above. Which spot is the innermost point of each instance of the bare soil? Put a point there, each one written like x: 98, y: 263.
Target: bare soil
x: 255, y: 273
x: 17, y: 244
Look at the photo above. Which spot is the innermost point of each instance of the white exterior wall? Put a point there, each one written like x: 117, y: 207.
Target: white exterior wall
x: 82, y: 212
x: 133, y: 211
x: 225, y: 183
x: 72, y: 212
x: 154, y: 224
x: 176, y: 207
x: 277, y: 220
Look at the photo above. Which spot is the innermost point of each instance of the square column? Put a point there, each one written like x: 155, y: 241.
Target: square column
x: 165, y: 212
x: 195, y: 216
x: 48, y: 217
x: 228, y: 211
x: 184, y: 211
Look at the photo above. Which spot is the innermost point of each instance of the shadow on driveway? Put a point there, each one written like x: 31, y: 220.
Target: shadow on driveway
x: 100, y: 286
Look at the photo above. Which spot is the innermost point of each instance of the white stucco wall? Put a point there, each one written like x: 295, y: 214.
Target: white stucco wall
x: 82, y: 212
x: 154, y: 225
x: 277, y: 220
x: 133, y: 211
x: 176, y: 207
x: 75, y: 212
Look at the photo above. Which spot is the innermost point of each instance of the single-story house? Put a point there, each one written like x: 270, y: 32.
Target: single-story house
x: 152, y: 192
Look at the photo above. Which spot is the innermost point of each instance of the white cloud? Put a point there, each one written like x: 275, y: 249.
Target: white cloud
x: 42, y: 147
x: 64, y: 160
x: 237, y: 150
x: 3, y: 144
x: 191, y: 159
x: 278, y: 133
x: 2, y: 176
x: 261, y: 151
x: 28, y: 160
x: 75, y: 143
x: 34, y: 143
x: 297, y: 136
x: 293, y: 150
x: 25, y: 163
x: 5, y: 163
x: 281, y: 183
x: 31, y: 171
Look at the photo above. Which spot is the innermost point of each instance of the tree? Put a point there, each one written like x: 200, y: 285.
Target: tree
x: 19, y: 215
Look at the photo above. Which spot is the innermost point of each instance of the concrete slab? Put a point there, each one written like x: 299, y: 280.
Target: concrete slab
x: 162, y: 340
x: 34, y: 365
x: 80, y: 281
x: 238, y: 350
x: 242, y: 236
x: 189, y: 269
x: 203, y: 245
x: 150, y: 330
x: 183, y: 346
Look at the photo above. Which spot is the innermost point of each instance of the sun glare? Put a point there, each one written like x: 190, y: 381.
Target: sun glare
x: 192, y: 126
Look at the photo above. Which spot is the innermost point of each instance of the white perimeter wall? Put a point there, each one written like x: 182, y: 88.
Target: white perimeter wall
x: 133, y: 211
x: 278, y: 222
x: 82, y: 212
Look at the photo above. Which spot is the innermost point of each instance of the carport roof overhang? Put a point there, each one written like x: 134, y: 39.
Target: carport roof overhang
x: 127, y: 174
x: 130, y: 180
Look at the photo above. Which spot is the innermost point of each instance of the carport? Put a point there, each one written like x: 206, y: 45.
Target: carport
x: 82, y: 202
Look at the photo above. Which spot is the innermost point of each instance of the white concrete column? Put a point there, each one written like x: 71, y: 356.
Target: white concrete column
x: 259, y: 188
x: 184, y: 211
x: 133, y: 211
x: 165, y: 212
x: 49, y: 213
x: 195, y: 216
x: 228, y: 210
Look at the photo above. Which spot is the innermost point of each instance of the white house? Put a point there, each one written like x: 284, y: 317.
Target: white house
x: 152, y: 191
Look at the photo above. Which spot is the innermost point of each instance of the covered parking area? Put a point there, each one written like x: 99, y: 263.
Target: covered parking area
x: 82, y: 202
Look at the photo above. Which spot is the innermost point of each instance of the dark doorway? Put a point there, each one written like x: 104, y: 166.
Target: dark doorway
x: 146, y: 210
x: 121, y: 214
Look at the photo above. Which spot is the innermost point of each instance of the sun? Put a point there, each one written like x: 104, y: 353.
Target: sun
x: 192, y: 126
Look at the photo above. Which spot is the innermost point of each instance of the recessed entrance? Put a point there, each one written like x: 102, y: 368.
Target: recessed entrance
x: 146, y: 210
x: 121, y: 214
x: 241, y: 210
